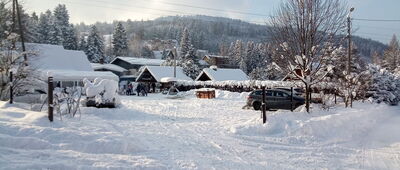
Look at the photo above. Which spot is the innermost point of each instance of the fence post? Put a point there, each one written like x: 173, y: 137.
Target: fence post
x: 291, y: 99
x: 11, y: 88
x: 264, y: 106
x: 50, y: 98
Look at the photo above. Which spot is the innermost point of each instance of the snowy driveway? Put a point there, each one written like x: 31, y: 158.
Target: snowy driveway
x: 157, y: 133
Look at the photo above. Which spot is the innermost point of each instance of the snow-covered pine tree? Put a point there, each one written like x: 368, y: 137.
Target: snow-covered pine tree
x: 190, y: 64
x: 61, y: 23
x: 120, y: 41
x: 185, y: 44
x: 55, y: 35
x: 34, y: 22
x: 237, y: 53
x: 82, y: 45
x: 376, y: 58
x: 391, y: 56
x: 188, y: 60
x: 44, y: 27
x: 71, y: 39
x: 95, y: 46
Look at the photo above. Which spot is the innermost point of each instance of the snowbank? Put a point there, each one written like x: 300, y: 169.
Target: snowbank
x: 339, y: 125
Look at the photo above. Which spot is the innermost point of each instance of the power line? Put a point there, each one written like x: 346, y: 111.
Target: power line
x: 377, y: 20
x: 212, y: 9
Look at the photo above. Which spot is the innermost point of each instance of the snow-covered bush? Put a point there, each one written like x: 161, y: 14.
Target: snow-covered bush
x: 384, y: 86
x: 103, y: 91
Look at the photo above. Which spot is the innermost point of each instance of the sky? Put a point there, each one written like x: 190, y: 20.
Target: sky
x: 256, y: 11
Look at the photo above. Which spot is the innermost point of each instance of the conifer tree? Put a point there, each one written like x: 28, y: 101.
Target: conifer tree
x: 70, y: 39
x: 61, y: 25
x: 44, y: 27
x: 120, y: 41
x: 391, y: 56
x: 82, y: 45
x: 95, y: 46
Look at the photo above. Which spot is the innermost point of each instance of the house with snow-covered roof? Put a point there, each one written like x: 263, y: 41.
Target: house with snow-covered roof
x: 222, y: 74
x: 160, y: 76
x: 155, y: 74
x: 67, y: 67
x: 119, y: 71
x: 133, y: 64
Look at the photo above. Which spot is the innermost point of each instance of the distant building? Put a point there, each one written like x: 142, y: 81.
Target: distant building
x: 219, y: 61
x: 119, y: 71
x: 220, y: 74
x: 133, y: 64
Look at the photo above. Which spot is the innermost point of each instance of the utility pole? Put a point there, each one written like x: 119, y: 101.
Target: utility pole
x: 21, y: 31
x: 172, y: 52
x: 349, y: 50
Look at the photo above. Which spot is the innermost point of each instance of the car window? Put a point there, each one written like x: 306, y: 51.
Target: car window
x: 280, y: 94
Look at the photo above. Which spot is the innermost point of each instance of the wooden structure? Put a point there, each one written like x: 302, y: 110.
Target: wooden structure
x: 205, y: 93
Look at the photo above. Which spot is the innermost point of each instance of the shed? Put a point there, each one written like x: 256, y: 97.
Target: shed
x: 218, y: 74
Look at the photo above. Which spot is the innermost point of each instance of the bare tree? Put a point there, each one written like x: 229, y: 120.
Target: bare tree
x: 304, y: 32
x: 11, y: 60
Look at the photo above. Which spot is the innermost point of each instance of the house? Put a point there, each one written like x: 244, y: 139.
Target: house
x: 221, y: 74
x: 292, y: 77
x: 219, y: 61
x: 154, y: 76
x: 133, y: 64
x: 68, y: 68
x: 119, y: 71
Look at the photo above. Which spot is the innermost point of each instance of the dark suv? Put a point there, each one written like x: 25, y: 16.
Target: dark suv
x: 275, y: 99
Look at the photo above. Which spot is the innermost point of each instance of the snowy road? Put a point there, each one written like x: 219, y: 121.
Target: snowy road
x: 159, y: 133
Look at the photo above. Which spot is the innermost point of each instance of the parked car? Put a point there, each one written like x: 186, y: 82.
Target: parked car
x: 297, y: 90
x: 275, y: 99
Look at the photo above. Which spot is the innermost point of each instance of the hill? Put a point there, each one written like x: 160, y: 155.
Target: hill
x: 210, y: 32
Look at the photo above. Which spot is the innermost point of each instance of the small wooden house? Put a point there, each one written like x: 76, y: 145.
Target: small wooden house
x: 153, y: 75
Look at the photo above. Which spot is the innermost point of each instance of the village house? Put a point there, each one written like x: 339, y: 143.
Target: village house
x: 155, y: 76
x: 133, y: 64
x: 222, y: 74
x: 119, y: 71
x: 68, y: 68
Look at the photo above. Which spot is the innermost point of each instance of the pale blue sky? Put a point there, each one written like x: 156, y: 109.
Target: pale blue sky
x: 89, y: 11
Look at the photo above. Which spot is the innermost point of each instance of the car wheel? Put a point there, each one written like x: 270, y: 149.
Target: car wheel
x: 256, y: 105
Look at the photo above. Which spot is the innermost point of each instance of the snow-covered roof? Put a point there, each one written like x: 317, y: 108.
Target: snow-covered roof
x: 141, y: 61
x: 111, y: 67
x: 55, y: 57
x: 63, y: 65
x: 160, y: 72
x: 215, y: 56
x: 224, y: 74
x: 70, y: 75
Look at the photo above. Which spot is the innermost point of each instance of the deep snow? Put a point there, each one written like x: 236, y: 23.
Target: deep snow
x: 158, y: 133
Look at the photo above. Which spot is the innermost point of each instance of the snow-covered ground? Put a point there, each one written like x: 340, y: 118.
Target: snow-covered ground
x: 158, y: 133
